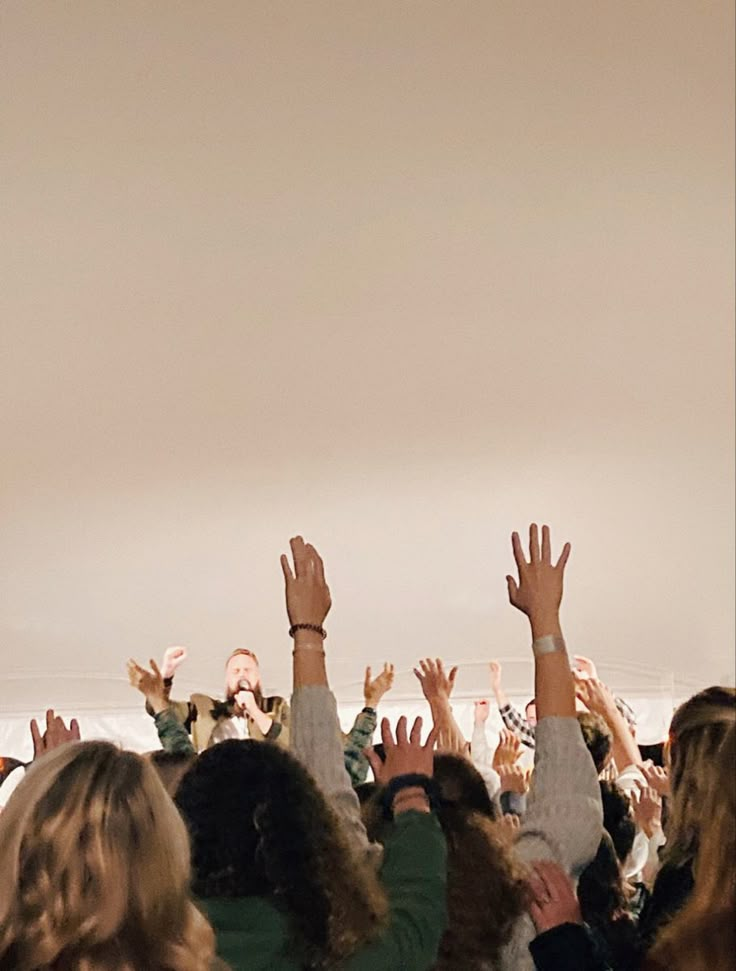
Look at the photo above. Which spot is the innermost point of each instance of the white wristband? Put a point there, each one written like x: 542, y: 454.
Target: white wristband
x: 549, y: 644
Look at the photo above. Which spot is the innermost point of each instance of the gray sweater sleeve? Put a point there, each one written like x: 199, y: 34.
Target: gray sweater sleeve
x: 564, y: 818
x: 317, y: 742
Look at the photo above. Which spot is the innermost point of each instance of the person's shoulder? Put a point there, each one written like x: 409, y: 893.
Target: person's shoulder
x: 272, y: 702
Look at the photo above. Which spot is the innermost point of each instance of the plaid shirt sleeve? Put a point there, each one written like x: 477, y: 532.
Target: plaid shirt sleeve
x: 172, y: 734
x: 516, y: 723
x: 358, y: 738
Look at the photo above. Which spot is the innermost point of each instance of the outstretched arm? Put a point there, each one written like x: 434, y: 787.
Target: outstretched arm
x: 316, y: 739
x: 437, y: 687
x: 564, y: 815
x: 171, y: 732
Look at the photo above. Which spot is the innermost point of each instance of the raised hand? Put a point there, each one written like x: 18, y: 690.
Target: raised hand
x: 538, y: 593
x: 56, y: 733
x: 647, y: 806
x: 173, y: 657
x: 584, y: 666
x: 513, y: 778
x: 657, y: 777
x: 405, y: 756
x: 594, y: 694
x: 308, y: 598
x: 436, y: 684
x: 553, y: 897
x: 482, y: 709
x: 508, y: 749
x: 374, y: 689
x: 149, y: 683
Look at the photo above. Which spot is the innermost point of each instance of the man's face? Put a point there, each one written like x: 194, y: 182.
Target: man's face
x: 241, y: 667
x: 531, y: 713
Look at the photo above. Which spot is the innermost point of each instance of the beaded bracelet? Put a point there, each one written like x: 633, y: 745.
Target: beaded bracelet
x: 317, y: 628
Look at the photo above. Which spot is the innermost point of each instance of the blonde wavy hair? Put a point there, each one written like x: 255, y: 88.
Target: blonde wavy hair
x: 702, y: 936
x: 95, y: 869
x: 697, y: 731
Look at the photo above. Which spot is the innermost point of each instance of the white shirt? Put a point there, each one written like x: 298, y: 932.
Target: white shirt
x: 237, y: 726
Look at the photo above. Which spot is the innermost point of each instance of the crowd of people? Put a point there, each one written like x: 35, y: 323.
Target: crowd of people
x: 263, y: 836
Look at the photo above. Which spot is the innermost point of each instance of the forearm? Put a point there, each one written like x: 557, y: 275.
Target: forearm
x: 450, y: 737
x: 171, y: 733
x: 502, y: 699
x: 263, y: 721
x: 554, y: 687
x: 625, y: 750
x: 309, y: 659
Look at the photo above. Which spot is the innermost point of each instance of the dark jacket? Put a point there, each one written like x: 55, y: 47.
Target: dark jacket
x: 568, y: 947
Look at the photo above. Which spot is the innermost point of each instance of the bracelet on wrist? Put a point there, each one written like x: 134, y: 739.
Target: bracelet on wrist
x: 549, y: 644
x: 315, y: 628
x: 168, y: 681
x: 411, y: 780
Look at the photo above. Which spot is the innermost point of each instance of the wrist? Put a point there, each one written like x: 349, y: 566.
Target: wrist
x: 157, y: 705
x: 308, y: 640
x: 545, y: 623
x: 416, y: 799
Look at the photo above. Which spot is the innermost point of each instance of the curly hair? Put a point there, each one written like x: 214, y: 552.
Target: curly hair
x: 486, y: 891
x: 260, y: 826
x: 697, y: 731
x: 597, y: 737
x: 95, y: 864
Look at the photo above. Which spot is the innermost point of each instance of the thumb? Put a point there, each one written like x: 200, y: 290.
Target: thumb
x: 513, y: 588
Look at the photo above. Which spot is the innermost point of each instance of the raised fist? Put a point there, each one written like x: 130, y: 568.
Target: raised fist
x: 173, y: 657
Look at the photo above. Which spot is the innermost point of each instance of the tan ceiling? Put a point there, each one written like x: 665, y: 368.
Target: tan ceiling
x: 402, y: 276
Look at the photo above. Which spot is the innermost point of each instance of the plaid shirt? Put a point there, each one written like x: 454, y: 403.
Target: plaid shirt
x: 517, y: 723
x: 358, y: 738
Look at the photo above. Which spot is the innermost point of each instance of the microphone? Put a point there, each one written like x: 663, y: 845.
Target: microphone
x: 244, y: 685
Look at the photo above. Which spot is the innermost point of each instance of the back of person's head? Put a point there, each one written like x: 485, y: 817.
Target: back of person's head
x: 95, y: 868
x: 485, y: 888
x: 461, y: 785
x: 698, y: 729
x: 702, y: 937
x: 260, y: 826
x: 604, y: 904
x: 171, y: 767
x: 618, y: 820
x: 597, y: 737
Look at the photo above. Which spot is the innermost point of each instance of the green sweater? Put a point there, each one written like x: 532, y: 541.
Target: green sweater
x: 252, y: 935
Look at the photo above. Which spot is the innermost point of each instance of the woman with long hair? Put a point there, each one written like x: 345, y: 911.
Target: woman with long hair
x: 702, y: 936
x: 697, y: 732
x: 483, y: 878
x: 95, y: 869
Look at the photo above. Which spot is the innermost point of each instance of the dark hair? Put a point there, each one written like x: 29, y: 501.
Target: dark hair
x: 617, y: 819
x: 482, y: 874
x: 597, y: 737
x: 604, y: 904
x: 366, y: 791
x: 171, y: 767
x: 461, y: 785
x: 533, y: 701
x: 260, y: 826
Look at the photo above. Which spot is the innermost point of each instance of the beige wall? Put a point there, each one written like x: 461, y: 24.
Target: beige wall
x: 399, y: 275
